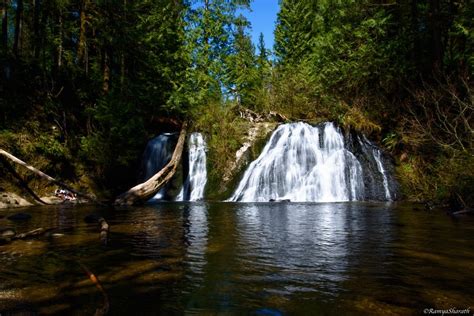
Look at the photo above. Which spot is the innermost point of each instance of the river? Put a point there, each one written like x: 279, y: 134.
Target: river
x: 241, y: 258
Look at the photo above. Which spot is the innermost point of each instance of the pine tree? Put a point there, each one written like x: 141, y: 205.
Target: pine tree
x: 243, y: 74
x: 210, y: 36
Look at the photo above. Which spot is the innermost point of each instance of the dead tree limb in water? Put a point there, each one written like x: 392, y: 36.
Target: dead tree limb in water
x: 32, y: 233
x: 105, y: 308
x: 104, y: 231
x: 146, y: 190
x: 45, y: 176
x: 8, y: 235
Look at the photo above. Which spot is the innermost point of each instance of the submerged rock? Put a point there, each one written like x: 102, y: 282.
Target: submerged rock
x: 92, y: 218
x: 7, y: 232
x: 19, y: 217
x: 279, y: 200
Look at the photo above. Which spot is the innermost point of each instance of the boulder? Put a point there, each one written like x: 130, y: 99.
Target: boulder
x: 9, y: 199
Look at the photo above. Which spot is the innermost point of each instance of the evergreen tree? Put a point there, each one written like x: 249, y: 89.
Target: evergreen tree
x: 243, y: 71
x: 264, y: 75
x: 210, y: 37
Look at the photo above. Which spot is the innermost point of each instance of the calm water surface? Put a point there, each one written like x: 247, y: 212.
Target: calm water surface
x: 256, y: 259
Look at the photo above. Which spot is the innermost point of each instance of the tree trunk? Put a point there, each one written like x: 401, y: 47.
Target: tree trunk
x: 436, y: 22
x: 122, y: 71
x: 36, y: 27
x: 122, y: 53
x: 5, y: 26
x: 415, y: 31
x: 60, y: 45
x: 106, y: 72
x: 82, y: 44
x: 146, y: 190
x: 17, y: 44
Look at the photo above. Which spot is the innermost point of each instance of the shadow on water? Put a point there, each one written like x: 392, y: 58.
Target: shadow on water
x: 234, y: 258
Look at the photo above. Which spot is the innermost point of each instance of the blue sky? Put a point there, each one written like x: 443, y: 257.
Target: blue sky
x: 263, y: 18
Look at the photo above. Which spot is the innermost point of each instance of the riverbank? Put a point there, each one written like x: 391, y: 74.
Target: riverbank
x: 10, y: 200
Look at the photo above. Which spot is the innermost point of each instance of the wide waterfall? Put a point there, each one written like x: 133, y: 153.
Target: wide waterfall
x: 193, y: 187
x: 157, y: 154
x: 303, y: 163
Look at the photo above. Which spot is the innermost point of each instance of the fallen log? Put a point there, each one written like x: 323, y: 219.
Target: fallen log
x: 280, y: 117
x: 146, y: 190
x: 45, y: 176
x: 9, y: 235
x: 30, y: 234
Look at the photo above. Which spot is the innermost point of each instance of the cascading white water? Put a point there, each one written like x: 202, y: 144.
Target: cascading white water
x: 303, y: 163
x: 157, y: 154
x: 380, y: 167
x: 379, y: 182
x: 193, y: 188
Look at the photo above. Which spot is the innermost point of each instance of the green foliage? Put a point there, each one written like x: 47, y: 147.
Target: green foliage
x: 243, y: 73
x: 443, y: 179
x: 100, y: 72
x: 104, y: 72
x: 391, y: 141
x: 51, y: 147
x: 357, y: 119
x: 382, y: 69
x: 215, y: 121
x: 211, y: 29
x: 293, y: 94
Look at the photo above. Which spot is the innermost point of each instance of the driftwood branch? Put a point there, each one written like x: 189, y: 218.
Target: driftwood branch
x: 32, y: 233
x: 104, y: 231
x: 106, y: 306
x: 146, y: 190
x: 45, y: 176
x: 9, y: 235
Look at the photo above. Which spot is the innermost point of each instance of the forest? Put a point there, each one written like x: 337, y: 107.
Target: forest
x: 86, y: 83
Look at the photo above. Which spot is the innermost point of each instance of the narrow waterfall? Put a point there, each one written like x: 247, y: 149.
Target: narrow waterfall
x: 382, y: 172
x: 193, y: 187
x: 303, y: 163
x: 157, y: 154
x: 379, y: 182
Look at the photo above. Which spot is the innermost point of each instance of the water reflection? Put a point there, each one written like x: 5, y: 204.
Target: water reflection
x: 308, y: 247
x: 231, y: 258
x: 196, y: 232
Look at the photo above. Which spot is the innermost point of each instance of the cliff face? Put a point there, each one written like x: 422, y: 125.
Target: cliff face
x: 253, y: 142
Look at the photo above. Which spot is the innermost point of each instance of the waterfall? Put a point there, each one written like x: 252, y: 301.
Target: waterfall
x: 303, y: 163
x: 375, y: 174
x: 157, y: 154
x: 193, y: 187
x: 382, y: 172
